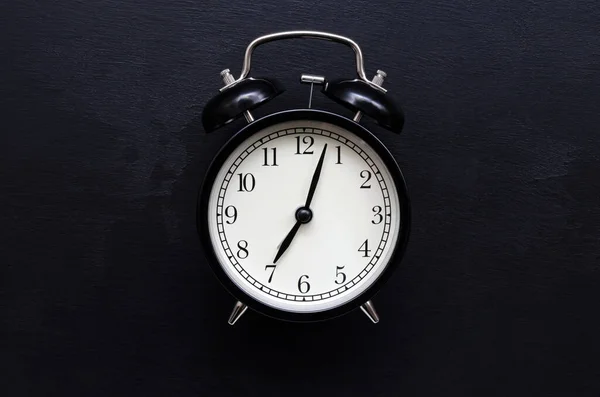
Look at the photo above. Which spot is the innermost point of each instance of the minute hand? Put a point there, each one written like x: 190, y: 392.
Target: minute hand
x: 315, y: 178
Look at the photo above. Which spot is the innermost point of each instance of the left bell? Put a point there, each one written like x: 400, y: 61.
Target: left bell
x: 234, y: 101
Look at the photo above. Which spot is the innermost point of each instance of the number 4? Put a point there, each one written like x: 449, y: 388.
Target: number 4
x: 365, y: 248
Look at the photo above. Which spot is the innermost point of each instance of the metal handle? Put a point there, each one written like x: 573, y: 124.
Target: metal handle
x: 293, y: 34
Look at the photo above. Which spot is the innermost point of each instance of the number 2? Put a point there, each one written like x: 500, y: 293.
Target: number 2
x: 366, y: 174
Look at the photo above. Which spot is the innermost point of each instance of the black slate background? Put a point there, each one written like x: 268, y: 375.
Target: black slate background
x: 104, y: 290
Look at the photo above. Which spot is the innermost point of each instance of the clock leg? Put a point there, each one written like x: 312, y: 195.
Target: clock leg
x: 369, y: 310
x: 238, y: 310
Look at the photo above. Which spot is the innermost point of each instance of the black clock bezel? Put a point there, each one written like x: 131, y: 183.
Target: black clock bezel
x: 215, y: 166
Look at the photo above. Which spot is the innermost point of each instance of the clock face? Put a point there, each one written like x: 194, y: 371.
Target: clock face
x: 291, y: 256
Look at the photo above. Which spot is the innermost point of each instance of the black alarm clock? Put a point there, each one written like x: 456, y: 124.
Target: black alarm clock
x: 303, y: 214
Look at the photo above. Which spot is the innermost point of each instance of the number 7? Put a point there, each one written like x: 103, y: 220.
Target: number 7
x: 272, y: 271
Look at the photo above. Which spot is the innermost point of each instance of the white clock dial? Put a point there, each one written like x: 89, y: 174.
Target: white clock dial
x: 335, y: 256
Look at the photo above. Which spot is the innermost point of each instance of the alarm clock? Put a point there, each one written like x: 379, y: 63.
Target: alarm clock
x: 303, y: 214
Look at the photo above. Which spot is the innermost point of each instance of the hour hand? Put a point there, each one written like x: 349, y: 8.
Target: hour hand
x: 303, y: 215
x: 287, y: 241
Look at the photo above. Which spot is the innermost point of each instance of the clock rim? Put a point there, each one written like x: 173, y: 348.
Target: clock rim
x: 202, y: 204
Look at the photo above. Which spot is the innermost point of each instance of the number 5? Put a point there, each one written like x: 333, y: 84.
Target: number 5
x: 338, y: 274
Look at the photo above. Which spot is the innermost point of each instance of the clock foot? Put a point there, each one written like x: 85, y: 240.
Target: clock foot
x: 238, y: 310
x: 369, y: 310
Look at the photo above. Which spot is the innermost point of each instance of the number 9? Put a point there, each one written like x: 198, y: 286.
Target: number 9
x: 228, y: 215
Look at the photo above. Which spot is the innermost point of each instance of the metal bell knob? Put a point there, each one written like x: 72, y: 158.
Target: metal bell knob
x: 379, y: 77
x: 227, y: 77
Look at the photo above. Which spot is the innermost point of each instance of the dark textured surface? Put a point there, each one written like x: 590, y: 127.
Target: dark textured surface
x: 104, y: 290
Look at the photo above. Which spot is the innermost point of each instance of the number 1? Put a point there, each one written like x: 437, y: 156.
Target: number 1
x: 339, y: 155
